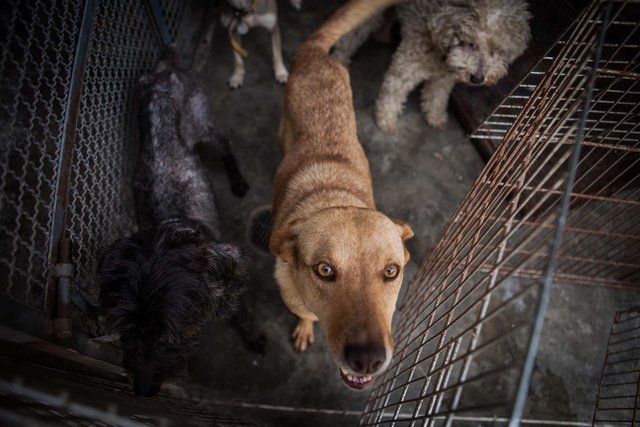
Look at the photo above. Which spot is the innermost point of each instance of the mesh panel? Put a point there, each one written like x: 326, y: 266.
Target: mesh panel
x: 123, y: 46
x: 183, y: 21
x: 603, y: 237
x: 37, y: 45
x: 38, y: 41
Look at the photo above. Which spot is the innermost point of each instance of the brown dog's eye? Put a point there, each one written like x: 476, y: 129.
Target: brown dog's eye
x: 325, y: 271
x: 391, y: 271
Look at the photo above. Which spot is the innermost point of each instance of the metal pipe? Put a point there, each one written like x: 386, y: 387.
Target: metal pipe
x: 527, y: 370
x: 64, y: 271
x: 61, y: 199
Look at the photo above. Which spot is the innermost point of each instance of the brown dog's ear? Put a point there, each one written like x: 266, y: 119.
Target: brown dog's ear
x: 407, y: 256
x: 405, y: 233
x: 405, y: 230
x: 283, y: 242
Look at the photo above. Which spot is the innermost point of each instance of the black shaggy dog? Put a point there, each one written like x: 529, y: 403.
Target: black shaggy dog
x: 159, y: 286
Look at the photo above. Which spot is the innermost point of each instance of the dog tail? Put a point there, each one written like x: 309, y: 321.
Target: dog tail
x: 346, y: 19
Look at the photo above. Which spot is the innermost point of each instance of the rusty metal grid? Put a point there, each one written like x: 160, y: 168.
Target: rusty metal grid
x: 618, y: 396
x: 499, y: 122
x: 467, y: 325
x: 604, y: 233
x: 124, y: 46
x: 37, y: 44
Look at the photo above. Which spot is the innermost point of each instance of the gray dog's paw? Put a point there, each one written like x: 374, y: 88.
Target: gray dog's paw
x: 437, y: 120
x: 282, y: 76
x: 296, y: 4
x: 235, y: 81
x: 386, y: 123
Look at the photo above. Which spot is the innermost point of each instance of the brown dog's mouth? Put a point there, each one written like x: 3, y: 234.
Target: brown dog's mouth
x: 356, y: 381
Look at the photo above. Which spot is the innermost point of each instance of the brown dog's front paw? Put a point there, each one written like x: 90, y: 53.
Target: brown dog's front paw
x: 302, y: 335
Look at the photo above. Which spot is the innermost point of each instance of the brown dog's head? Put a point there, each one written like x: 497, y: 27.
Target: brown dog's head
x: 347, y: 264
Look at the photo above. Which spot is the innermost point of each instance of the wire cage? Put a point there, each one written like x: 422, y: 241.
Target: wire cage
x: 68, y: 71
x: 618, y: 396
x: 467, y: 336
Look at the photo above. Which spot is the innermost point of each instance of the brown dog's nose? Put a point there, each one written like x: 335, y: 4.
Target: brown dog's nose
x: 365, y: 359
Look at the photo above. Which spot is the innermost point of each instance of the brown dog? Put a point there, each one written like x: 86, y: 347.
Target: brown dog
x: 339, y: 260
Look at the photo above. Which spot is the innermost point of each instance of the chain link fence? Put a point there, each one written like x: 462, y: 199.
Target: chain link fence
x: 123, y: 47
x: 37, y: 45
x: 54, y: 145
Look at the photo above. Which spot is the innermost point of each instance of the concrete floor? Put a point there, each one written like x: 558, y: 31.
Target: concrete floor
x: 419, y: 175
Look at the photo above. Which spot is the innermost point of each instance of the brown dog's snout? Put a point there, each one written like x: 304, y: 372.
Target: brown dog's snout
x: 365, y: 358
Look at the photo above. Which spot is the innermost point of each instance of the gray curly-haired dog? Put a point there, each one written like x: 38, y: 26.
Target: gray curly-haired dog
x: 159, y: 286
x: 444, y: 42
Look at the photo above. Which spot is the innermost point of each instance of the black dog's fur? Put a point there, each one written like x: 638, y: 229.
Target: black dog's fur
x: 158, y: 289
x: 159, y: 286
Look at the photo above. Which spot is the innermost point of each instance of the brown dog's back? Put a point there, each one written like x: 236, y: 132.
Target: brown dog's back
x: 318, y: 134
x: 319, y: 141
x: 338, y: 259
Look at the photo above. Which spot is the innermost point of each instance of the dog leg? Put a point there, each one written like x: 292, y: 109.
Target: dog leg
x: 302, y: 334
x: 220, y: 144
x: 278, y: 65
x: 402, y: 77
x: 434, y: 99
x: 237, y: 78
x: 196, y: 127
